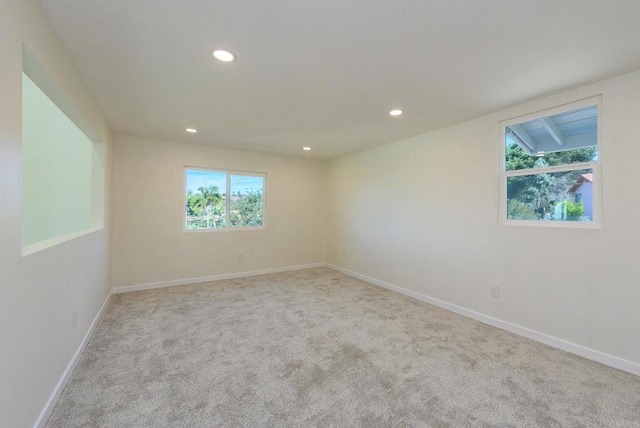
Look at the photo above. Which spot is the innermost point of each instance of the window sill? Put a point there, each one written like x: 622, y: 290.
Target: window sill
x: 48, y: 243
x: 225, y: 229
x: 552, y: 224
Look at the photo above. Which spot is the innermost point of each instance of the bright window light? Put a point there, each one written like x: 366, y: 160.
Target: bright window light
x: 223, y: 200
x: 551, y: 164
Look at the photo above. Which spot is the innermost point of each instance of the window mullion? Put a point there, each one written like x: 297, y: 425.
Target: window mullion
x: 550, y: 169
x: 228, y: 203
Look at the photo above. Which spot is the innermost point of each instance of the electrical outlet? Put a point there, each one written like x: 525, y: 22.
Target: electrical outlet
x: 495, y: 292
x: 344, y: 255
x: 240, y: 257
x: 74, y: 319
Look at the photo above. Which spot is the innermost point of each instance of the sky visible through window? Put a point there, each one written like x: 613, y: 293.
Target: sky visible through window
x: 240, y: 183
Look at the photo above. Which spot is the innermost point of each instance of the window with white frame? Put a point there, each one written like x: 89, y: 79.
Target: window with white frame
x: 223, y: 200
x: 550, y: 167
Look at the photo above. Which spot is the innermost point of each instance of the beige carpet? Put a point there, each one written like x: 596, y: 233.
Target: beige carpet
x: 316, y: 348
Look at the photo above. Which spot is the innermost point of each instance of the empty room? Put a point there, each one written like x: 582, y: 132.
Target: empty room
x: 319, y: 214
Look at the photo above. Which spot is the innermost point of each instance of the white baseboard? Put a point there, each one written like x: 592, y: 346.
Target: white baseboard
x: 187, y: 281
x: 53, y: 398
x: 582, y: 351
x: 573, y: 348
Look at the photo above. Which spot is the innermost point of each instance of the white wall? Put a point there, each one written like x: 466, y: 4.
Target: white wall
x: 149, y: 243
x: 422, y: 214
x: 39, y: 292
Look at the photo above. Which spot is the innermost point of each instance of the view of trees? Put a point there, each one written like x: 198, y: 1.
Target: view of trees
x: 206, y: 208
x: 537, y: 196
x: 246, y: 209
x: 573, y: 211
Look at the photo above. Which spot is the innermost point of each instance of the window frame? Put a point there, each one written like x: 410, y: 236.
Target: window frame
x: 229, y: 173
x: 595, y: 166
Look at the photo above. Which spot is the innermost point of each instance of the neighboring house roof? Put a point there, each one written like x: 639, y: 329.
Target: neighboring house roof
x: 580, y: 181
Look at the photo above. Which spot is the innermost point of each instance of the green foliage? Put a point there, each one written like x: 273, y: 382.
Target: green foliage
x: 516, y: 158
x: 205, y: 208
x: 246, y: 210
x: 520, y: 211
x: 540, y: 191
x: 585, y: 154
x: 574, y: 211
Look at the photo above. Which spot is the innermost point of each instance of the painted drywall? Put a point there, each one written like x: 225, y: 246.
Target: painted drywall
x: 422, y: 214
x: 39, y: 292
x: 149, y: 241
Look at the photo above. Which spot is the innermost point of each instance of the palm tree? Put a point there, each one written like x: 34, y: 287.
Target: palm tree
x: 209, y: 199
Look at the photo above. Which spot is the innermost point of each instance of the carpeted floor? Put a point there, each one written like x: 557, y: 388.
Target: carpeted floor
x: 315, y: 348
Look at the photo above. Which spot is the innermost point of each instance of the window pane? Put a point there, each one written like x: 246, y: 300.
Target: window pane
x: 206, y: 199
x: 562, y: 139
x: 558, y: 196
x: 246, y: 201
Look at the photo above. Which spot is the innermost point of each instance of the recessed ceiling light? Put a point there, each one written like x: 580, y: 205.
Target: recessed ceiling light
x: 306, y: 149
x: 396, y: 112
x: 224, y: 56
x: 191, y: 130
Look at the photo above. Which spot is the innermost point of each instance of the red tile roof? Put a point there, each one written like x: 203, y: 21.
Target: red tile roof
x: 580, y: 181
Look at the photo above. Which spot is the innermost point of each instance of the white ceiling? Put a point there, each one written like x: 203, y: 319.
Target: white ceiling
x: 326, y: 73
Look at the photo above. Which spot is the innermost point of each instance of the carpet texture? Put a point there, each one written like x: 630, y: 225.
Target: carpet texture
x: 316, y: 348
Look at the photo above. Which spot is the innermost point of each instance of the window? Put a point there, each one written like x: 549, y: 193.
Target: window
x: 62, y: 168
x: 551, y: 167
x: 223, y: 200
